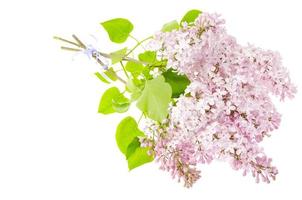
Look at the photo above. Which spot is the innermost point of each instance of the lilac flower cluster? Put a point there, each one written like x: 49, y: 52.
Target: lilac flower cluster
x: 227, y: 109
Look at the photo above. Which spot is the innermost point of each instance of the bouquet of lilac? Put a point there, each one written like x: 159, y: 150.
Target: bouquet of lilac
x: 203, y: 96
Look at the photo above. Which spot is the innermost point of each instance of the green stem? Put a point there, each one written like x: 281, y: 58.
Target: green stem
x: 79, y: 41
x: 80, y: 44
x: 120, y: 79
x: 138, y: 44
x: 125, y: 58
x: 67, y: 41
x: 124, y: 69
x: 137, y: 41
x: 117, y: 76
x: 101, y: 53
x: 70, y: 49
x: 134, y: 38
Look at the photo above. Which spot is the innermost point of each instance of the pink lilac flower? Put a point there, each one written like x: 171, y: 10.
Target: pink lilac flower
x: 226, y: 110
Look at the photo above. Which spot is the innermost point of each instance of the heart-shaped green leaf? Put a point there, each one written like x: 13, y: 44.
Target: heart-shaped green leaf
x: 126, y: 131
x: 190, y: 16
x: 118, y: 29
x: 147, y: 56
x: 177, y: 82
x: 170, y: 26
x: 139, y: 157
x: 155, y: 98
x: 113, y: 101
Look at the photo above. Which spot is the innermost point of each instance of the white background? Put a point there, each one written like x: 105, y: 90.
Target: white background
x: 54, y: 145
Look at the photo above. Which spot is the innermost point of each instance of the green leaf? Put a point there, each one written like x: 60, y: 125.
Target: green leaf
x: 139, y: 157
x: 118, y: 29
x: 110, y: 73
x: 132, y: 147
x: 190, y: 16
x: 126, y: 131
x: 147, y: 56
x: 177, y: 82
x: 134, y: 89
x: 120, y: 103
x: 170, y: 26
x: 100, y: 76
x: 155, y: 98
x: 146, y: 73
x: 113, y: 101
x: 117, y: 56
x: 105, y: 106
x: 134, y: 68
x: 161, y: 63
